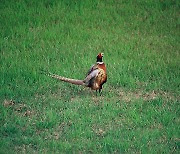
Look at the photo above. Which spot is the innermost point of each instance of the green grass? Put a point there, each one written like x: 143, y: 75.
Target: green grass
x: 139, y: 109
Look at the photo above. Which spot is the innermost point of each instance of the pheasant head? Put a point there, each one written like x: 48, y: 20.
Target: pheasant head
x: 99, y: 57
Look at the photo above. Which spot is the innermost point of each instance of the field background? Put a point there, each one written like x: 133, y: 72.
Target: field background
x: 138, y: 111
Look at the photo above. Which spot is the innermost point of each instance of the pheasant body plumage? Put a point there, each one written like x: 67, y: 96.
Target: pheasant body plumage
x: 95, y: 78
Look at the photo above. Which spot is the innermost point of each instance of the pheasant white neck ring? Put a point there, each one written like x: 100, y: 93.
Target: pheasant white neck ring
x: 100, y: 62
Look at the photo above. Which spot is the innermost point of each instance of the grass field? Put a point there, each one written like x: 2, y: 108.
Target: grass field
x: 138, y: 111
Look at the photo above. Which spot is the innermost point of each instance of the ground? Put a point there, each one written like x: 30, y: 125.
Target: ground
x: 138, y: 111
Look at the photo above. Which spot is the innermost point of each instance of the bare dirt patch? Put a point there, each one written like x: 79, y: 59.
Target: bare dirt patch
x: 129, y: 96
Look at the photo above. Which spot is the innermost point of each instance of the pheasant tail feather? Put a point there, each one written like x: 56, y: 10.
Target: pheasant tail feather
x: 73, y: 81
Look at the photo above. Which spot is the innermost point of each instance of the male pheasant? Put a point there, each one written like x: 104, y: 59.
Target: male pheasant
x: 94, y: 79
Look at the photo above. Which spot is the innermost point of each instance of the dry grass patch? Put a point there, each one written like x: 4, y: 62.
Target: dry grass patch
x: 129, y: 96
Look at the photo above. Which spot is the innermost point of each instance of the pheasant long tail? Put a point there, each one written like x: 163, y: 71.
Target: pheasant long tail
x: 73, y: 81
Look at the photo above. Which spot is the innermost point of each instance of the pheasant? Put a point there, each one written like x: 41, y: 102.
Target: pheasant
x: 94, y: 79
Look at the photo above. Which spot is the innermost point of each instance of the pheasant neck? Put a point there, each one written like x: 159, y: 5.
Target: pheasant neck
x: 99, y: 59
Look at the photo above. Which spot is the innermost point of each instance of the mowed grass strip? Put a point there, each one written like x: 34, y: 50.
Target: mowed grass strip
x: 139, y: 109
